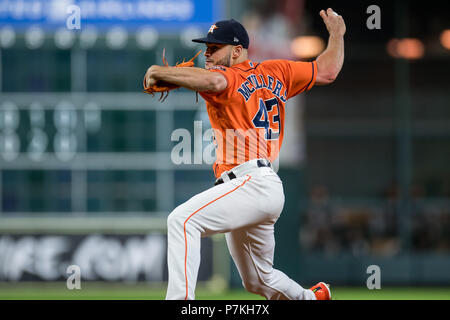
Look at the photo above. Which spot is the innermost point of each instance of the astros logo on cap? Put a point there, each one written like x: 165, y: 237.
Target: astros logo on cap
x: 212, y: 28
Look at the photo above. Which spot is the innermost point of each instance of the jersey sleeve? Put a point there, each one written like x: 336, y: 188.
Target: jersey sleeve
x: 299, y: 76
x: 225, y: 94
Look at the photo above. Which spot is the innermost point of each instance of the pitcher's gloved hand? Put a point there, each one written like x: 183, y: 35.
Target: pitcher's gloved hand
x: 151, y: 86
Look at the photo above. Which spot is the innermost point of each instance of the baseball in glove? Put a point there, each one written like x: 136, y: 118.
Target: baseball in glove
x: 165, y: 87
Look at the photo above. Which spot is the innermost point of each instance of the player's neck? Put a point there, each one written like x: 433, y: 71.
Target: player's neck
x: 240, y: 59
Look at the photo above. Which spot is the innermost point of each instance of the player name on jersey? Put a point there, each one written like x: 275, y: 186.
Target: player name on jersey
x: 257, y: 82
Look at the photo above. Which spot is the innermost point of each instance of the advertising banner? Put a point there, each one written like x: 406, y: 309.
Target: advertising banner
x: 98, y: 257
x: 131, y: 14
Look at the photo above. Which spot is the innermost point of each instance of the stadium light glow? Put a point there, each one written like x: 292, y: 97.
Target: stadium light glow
x: 88, y: 37
x: 187, y: 34
x: 117, y: 38
x: 92, y: 117
x: 407, y: 48
x: 7, y: 37
x: 37, y: 115
x: 307, y: 46
x: 34, y: 37
x: 9, y: 116
x: 445, y: 39
x: 147, y: 37
x: 64, y: 38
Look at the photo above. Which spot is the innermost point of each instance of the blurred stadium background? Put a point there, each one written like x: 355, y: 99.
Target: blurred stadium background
x: 86, y: 176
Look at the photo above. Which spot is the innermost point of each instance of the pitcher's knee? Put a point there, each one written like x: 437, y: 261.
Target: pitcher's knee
x: 259, y: 286
x: 253, y: 286
x: 262, y: 286
x: 176, y: 218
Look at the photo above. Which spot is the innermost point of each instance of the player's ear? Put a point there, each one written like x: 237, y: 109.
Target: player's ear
x: 236, y: 51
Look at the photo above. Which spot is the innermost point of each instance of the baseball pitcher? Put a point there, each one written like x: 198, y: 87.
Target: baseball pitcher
x: 245, y: 101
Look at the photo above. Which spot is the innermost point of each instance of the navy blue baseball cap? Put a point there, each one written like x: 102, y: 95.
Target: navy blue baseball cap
x: 226, y: 32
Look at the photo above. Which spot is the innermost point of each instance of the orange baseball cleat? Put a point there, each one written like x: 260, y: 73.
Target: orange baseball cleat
x: 322, y: 291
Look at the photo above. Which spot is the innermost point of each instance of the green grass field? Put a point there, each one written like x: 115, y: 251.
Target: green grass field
x: 95, y: 291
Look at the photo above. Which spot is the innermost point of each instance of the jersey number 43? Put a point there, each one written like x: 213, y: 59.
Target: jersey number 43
x: 268, y: 118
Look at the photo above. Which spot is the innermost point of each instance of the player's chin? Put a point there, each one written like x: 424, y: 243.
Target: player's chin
x: 208, y: 65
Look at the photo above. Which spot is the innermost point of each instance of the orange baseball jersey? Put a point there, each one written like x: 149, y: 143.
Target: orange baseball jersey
x: 248, y: 116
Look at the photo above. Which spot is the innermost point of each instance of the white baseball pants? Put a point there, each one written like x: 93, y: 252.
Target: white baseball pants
x: 246, y: 209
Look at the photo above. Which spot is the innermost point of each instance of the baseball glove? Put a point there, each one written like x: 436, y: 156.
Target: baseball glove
x: 165, y: 87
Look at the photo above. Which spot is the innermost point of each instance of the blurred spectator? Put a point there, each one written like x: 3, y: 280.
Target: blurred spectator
x: 355, y: 230
x: 332, y: 228
x: 420, y: 228
x: 390, y: 214
x: 316, y: 230
x: 269, y: 25
x: 275, y: 31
